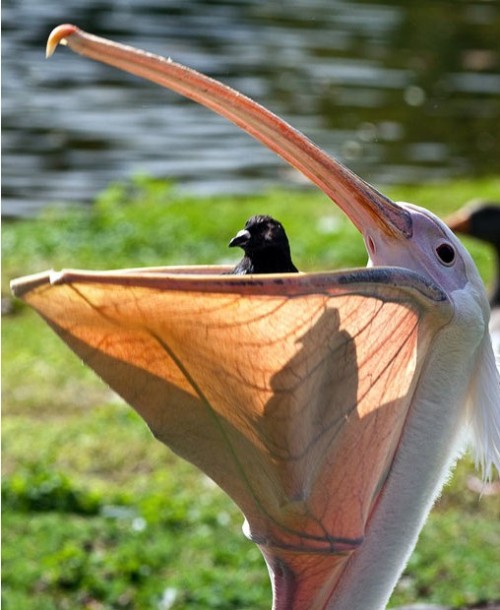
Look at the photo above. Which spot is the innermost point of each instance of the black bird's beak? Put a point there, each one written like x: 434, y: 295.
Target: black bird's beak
x: 240, y: 239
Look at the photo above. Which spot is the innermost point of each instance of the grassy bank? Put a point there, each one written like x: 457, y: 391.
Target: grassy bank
x: 97, y: 514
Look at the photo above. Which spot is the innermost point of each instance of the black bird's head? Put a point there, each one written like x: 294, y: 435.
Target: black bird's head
x: 260, y: 233
x: 264, y: 241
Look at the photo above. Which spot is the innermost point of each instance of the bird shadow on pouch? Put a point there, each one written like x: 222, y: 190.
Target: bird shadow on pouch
x: 310, y: 402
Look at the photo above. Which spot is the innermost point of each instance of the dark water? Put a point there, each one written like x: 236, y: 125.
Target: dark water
x: 400, y: 91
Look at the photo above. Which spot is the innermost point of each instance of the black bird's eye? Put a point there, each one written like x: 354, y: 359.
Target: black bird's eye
x: 446, y: 253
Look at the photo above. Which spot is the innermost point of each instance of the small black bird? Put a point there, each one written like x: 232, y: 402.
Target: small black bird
x: 266, y: 247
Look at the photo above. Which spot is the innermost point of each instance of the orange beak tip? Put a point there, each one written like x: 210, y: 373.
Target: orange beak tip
x: 58, y: 36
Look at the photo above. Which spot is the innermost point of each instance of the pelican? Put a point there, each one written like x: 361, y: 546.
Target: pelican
x: 481, y: 219
x: 329, y: 406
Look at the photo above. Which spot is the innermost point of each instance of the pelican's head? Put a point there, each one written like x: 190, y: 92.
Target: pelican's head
x: 434, y: 251
x: 431, y: 249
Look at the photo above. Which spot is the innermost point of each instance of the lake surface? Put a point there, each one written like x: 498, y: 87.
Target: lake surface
x: 399, y: 91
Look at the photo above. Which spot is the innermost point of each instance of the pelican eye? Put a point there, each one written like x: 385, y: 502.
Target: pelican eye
x: 446, y: 253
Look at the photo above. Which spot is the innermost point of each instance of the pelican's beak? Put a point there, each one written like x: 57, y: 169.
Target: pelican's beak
x: 368, y: 209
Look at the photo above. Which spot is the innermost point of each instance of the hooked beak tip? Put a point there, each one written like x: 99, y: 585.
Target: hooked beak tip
x: 59, y: 36
x: 239, y: 239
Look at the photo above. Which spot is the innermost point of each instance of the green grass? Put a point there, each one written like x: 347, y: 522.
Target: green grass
x: 98, y: 515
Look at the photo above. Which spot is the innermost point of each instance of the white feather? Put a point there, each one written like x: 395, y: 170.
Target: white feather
x: 483, y: 402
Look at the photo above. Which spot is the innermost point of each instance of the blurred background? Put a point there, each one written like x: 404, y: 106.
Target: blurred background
x: 96, y: 515
x: 402, y: 92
